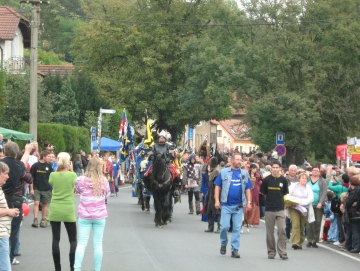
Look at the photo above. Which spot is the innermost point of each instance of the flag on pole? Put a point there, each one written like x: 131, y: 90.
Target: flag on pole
x: 123, y: 125
x: 127, y: 143
x: 148, y: 140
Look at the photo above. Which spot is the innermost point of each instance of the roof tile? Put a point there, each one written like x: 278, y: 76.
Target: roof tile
x: 9, y: 21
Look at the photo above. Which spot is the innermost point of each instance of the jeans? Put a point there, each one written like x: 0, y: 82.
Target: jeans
x: 4, y: 255
x: 15, y: 228
x: 111, y: 187
x: 84, y: 228
x: 17, y: 246
x: 116, y: 182
x: 227, y: 213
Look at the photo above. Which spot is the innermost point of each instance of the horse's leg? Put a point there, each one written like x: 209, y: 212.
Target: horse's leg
x: 147, y: 204
x: 157, y: 209
x: 166, y: 215
x: 142, y: 199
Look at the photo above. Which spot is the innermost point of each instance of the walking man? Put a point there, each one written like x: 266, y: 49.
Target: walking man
x: 274, y: 187
x: 235, y: 185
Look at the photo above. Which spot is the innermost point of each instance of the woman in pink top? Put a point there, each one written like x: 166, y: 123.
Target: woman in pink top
x: 93, y: 189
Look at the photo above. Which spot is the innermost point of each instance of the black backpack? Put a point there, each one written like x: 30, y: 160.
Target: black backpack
x: 335, y: 205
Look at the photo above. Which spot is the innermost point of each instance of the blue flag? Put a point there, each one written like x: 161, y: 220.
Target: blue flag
x: 127, y: 142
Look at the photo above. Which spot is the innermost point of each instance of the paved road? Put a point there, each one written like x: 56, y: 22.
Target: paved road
x: 131, y: 242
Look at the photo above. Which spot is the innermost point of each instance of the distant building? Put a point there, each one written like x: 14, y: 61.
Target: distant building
x: 15, y: 35
x: 226, y: 134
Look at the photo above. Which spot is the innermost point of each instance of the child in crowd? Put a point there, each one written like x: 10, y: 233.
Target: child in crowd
x: 333, y: 234
x: 327, y: 214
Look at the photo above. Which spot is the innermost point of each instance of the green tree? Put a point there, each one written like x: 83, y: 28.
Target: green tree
x: 17, y: 101
x: 140, y: 66
x: 86, y: 94
x: 68, y: 110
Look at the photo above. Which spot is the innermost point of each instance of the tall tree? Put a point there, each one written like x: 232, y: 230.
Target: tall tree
x: 68, y: 110
x: 17, y: 95
x: 139, y: 65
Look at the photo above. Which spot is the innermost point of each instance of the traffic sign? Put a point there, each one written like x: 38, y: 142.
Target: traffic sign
x: 93, y: 130
x: 93, y: 138
x: 281, y: 150
x: 280, y: 138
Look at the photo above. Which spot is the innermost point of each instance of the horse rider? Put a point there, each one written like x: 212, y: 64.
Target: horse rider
x: 167, y: 149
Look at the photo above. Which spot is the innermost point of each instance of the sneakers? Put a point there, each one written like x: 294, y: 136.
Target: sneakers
x: 314, y: 245
x: 336, y: 243
x: 223, y: 250
x: 309, y: 244
x: 43, y: 223
x: 354, y: 250
x: 271, y: 257
x: 35, y: 224
x: 112, y: 195
x: 235, y: 254
x: 15, y: 262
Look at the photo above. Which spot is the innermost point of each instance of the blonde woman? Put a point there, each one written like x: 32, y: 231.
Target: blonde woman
x: 301, y: 213
x: 62, y: 208
x: 93, y: 188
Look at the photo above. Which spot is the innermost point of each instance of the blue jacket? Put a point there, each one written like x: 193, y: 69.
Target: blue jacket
x: 226, y: 177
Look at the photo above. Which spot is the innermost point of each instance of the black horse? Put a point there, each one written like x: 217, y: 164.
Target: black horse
x: 160, y: 184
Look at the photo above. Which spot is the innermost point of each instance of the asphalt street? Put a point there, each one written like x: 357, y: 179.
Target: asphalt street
x: 132, y: 242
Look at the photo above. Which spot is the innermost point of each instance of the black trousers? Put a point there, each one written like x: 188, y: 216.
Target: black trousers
x: 71, y: 231
x: 191, y: 192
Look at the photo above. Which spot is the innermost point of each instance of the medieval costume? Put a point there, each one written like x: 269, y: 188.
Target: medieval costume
x: 204, y: 150
x: 210, y: 209
x: 252, y: 217
x: 193, y: 179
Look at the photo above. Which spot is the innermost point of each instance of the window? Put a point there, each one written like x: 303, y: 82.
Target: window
x: 240, y: 149
x: 219, y: 133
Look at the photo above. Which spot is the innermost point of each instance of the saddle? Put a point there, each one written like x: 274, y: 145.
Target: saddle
x: 174, y: 172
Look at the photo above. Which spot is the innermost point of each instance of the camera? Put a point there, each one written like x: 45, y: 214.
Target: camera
x: 239, y: 207
x: 28, y: 141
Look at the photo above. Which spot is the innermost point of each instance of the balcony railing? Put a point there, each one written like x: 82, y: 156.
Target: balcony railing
x: 16, y: 64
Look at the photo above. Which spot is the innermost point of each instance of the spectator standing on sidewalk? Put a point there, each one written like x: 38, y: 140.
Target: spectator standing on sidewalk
x: 40, y: 187
x: 93, y: 189
x: 274, y: 188
x: 62, y: 208
x: 6, y: 216
x: 17, y: 169
x: 319, y: 187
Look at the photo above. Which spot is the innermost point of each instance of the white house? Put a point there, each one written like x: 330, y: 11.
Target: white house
x: 15, y: 35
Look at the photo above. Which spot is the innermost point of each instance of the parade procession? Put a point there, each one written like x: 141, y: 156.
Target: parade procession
x: 179, y: 134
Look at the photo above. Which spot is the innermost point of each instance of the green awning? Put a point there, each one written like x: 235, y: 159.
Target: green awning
x: 15, y: 135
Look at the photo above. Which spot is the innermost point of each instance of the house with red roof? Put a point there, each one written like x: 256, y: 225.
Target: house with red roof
x: 225, y: 135
x: 15, y: 35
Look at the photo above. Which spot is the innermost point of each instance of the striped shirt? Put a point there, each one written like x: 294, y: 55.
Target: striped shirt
x: 5, y: 221
x: 90, y: 206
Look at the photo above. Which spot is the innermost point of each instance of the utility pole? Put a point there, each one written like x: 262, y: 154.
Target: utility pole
x: 34, y: 24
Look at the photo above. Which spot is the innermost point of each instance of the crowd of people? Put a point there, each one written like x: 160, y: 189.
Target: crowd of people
x: 50, y: 181
x: 318, y: 203
x: 321, y: 203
